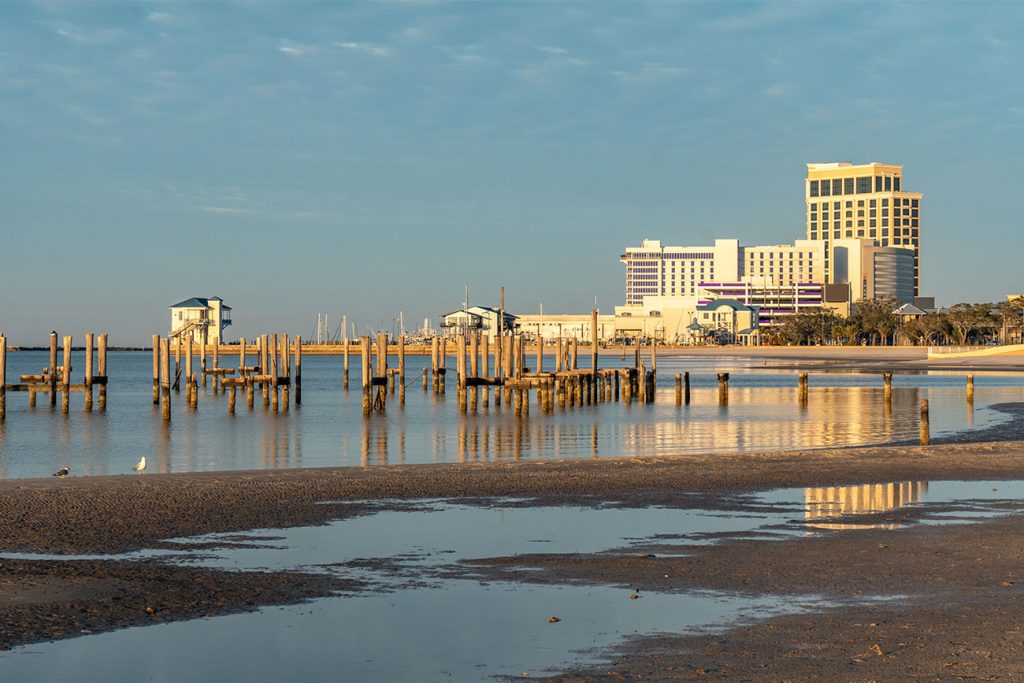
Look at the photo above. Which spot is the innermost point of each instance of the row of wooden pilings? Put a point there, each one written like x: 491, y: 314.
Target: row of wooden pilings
x: 273, y: 374
x: 56, y: 379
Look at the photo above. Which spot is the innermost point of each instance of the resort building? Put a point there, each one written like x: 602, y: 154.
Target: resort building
x: 776, y: 304
x: 199, y: 319
x: 873, y: 272
x: 866, y: 201
x: 654, y: 270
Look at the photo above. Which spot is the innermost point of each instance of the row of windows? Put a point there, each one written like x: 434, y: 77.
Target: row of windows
x: 910, y: 234
x: 896, y: 201
x: 860, y: 185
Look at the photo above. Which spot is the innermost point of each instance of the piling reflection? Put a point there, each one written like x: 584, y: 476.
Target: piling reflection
x: 824, y: 504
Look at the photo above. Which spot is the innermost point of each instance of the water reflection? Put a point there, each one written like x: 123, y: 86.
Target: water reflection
x: 824, y: 504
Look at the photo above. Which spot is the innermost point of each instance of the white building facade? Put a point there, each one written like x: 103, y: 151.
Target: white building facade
x: 199, y: 319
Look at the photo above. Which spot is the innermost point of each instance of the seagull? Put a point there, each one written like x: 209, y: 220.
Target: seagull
x: 62, y: 472
x: 141, y: 465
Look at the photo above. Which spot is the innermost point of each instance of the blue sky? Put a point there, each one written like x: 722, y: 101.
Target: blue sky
x: 374, y: 158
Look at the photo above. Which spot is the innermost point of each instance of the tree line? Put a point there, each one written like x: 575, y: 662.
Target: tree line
x: 875, y: 323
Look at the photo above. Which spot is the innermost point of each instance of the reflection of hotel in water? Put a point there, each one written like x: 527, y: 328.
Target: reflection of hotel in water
x: 824, y: 504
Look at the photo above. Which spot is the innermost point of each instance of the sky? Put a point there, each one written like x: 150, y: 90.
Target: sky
x: 369, y: 159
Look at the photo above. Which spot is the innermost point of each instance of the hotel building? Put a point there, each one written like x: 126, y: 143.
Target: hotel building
x: 865, y: 201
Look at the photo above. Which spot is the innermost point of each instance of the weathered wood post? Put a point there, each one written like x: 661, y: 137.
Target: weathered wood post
x: 593, y: 346
x: 443, y: 360
x: 191, y: 392
x: 286, y: 370
x: 156, y: 369
x: 274, y: 375
x: 364, y: 348
x: 217, y: 386
x: 802, y: 391
x: 265, y: 367
x: 232, y: 390
x: 573, y: 352
x: 460, y: 366
x: 250, y: 390
x: 382, y: 367
x: 679, y: 389
x: 3, y: 377
x: 723, y: 388
x: 202, y: 353
x: 651, y: 381
x: 686, y: 388
x: 926, y: 438
x: 65, y: 375
x: 435, y: 352
x: 344, y: 351
x: 165, y: 379
x: 177, y: 361
x: 617, y: 379
x: 88, y: 370
x: 53, y: 368
x: 970, y: 388
x: 474, y: 368
x: 298, y: 370
x: 102, y: 363
x: 540, y: 354
x: 887, y: 378
x: 485, y: 367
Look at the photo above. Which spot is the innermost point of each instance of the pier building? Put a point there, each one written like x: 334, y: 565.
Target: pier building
x: 199, y: 319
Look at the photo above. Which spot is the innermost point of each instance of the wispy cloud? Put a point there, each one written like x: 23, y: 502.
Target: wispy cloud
x: 652, y: 72
x: 368, y: 48
x: 89, y: 35
x: 296, y: 49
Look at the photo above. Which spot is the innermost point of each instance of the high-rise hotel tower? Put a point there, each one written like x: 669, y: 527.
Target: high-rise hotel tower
x: 866, y: 201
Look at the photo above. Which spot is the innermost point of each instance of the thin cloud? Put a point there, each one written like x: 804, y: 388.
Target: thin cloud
x: 89, y: 35
x: 368, y: 48
x: 296, y: 49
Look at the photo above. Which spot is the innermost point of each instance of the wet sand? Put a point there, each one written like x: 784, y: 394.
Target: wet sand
x: 957, y: 596
x: 946, y: 564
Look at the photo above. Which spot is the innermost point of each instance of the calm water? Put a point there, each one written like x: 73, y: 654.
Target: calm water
x: 329, y: 429
x: 461, y: 629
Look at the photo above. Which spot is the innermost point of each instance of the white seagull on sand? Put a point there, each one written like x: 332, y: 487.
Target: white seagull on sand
x: 62, y: 472
x: 141, y: 465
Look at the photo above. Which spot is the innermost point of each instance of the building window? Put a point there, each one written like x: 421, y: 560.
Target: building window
x: 860, y: 213
x: 848, y: 185
x: 864, y: 185
x: 860, y: 224
x: 913, y: 222
x: 814, y: 188
x: 849, y: 205
x: 872, y: 223
x: 913, y: 202
x: 888, y: 184
x: 837, y: 187
x: 896, y: 184
x: 826, y: 188
x: 878, y: 183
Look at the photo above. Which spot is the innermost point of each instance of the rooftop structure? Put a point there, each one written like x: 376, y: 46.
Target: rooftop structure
x: 199, y: 319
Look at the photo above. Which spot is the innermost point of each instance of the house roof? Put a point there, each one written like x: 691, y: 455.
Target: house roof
x: 200, y: 302
x: 695, y: 326
x: 908, y: 309
x: 194, y: 302
x: 749, y: 330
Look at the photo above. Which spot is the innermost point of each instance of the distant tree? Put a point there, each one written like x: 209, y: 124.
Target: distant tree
x: 875, y: 319
x: 1010, y: 316
x: 967, y: 319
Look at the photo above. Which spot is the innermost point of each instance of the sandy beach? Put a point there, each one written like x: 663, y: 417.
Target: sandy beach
x: 958, y: 585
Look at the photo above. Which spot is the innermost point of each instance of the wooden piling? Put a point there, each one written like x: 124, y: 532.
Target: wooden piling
x: 89, y: 337
x: 686, y: 388
x: 723, y: 388
x: 970, y: 388
x: 102, y: 364
x: 540, y: 354
x: 298, y: 370
x: 177, y: 360
x: 401, y: 361
x: 485, y: 366
x: 53, y: 369
x: 679, y: 389
x: 286, y: 371
x: 216, y: 365
x: 435, y: 352
x: 887, y: 378
x: 265, y: 367
x: 802, y: 391
x: 573, y: 352
x: 165, y: 379
x: 272, y: 357
x: 926, y: 438
x: 231, y: 398
x: 66, y: 377
x: 3, y: 377
x: 202, y: 354
x: 364, y: 348
x: 156, y: 369
x: 593, y: 344
x: 191, y: 392
x: 651, y: 381
x: 426, y: 376
x: 344, y: 351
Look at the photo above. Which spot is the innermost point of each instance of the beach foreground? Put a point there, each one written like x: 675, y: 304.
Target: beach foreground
x: 954, y: 589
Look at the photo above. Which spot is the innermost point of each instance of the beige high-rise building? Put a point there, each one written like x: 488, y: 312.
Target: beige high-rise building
x: 865, y: 201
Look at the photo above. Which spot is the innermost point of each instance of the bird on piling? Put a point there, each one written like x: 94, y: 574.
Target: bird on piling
x: 62, y: 472
x: 140, y: 465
